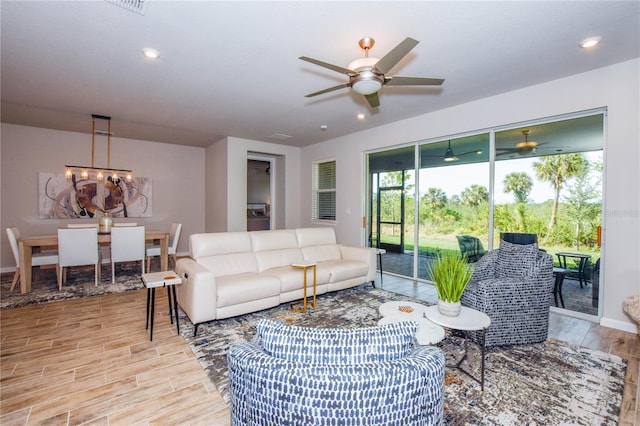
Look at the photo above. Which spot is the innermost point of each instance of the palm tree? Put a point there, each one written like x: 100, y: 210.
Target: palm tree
x: 557, y: 169
x: 475, y: 195
x: 520, y: 184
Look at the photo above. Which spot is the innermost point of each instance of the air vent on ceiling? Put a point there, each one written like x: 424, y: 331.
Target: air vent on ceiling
x: 138, y: 6
x: 280, y: 137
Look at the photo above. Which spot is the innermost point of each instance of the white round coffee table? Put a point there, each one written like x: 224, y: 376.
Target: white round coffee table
x: 428, y: 333
x: 468, y: 320
x: 389, y: 309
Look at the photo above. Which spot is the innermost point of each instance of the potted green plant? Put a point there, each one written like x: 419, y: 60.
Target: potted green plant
x: 450, y: 274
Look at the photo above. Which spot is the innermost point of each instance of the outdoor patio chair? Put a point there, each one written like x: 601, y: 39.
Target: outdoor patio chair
x: 470, y: 247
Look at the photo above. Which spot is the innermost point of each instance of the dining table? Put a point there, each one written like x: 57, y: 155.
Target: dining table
x: 28, y: 244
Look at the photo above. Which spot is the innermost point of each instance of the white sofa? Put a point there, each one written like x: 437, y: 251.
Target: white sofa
x: 234, y: 273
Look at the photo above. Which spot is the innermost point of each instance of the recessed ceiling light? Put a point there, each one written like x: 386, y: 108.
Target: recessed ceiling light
x: 590, y: 42
x: 360, y: 116
x: 150, y: 53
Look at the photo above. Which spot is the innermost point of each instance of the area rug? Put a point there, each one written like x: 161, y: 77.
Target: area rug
x: 552, y: 383
x: 80, y: 283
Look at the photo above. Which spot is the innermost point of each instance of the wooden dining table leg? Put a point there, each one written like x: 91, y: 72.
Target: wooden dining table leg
x: 25, y: 267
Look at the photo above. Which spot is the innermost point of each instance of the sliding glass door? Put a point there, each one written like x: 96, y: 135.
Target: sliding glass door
x: 437, y: 197
x: 454, y: 198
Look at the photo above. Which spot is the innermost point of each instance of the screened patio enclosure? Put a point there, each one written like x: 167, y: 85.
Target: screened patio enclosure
x: 425, y: 198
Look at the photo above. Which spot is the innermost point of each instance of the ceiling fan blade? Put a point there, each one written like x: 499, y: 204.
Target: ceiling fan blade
x: 330, y: 89
x: 413, y: 81
x: 332, y: 67
x: 389, y: 60
x: 373, y: 100
x: 470, y: 152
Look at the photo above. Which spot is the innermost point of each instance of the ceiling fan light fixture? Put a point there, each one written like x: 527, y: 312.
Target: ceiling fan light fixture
x: 526, y: 145
x: 366, y: 87
x: 449, y: 155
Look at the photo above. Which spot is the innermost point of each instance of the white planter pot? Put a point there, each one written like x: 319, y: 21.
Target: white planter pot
x: 449, y: 309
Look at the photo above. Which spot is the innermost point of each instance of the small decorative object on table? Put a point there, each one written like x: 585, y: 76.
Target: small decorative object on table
x: 106, y: 223
x: 451, y: 274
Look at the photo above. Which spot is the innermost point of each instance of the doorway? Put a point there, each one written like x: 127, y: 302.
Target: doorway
x: 259, y: 193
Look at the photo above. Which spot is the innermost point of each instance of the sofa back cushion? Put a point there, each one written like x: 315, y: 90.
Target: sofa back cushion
x: 230, y: 264
x: 334, y: 345
x: 315, y: 236
x: 318, y: 244
x: 214, y: 243
x: 274, y: 249
x: 223, y: 253
x: 515, y: 260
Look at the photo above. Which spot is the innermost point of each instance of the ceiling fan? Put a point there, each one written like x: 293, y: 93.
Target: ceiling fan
x: 450, y: 156
x: 367, y: 75
x: 523, y: 147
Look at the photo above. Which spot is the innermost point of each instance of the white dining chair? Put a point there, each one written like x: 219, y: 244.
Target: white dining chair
x: 117, y: 224
x: 37, y: 259
x: 174, y: 236
x: 82, y: 225
x: 127, y: 245
x: 77, y: 247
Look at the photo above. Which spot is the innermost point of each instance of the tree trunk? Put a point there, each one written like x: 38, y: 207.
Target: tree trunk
x: 554, y: 213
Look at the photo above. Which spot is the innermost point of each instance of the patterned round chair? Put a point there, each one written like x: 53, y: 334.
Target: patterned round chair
x: 289, y: 375
x: 513, y: 285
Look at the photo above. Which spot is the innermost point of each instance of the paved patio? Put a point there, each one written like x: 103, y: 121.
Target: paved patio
x: 575, y: 298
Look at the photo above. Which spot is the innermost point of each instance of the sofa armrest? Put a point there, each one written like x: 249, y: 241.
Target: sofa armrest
x: 197, y: 294
x: 362, y: 254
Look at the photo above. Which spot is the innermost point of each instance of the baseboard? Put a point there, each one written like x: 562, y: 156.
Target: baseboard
x: 619, y: 325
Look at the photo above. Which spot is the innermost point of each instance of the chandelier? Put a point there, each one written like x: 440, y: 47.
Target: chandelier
x: 99, y: 173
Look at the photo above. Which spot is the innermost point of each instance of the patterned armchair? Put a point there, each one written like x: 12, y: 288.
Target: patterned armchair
x: 513, y: 286
x: 289, y: 375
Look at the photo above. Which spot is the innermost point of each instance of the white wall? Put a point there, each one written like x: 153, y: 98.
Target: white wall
x: 615, y: 87
x: 177, y: 173
x: 216, y: 187
x: 238, y: 151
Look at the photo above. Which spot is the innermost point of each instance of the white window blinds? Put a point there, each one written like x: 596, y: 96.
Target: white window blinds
x: 324, y: 190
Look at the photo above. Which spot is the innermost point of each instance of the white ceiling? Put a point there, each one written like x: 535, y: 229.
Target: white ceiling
x: 232, y: 68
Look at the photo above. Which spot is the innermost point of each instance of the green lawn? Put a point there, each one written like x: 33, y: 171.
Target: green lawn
x: 442, y: 244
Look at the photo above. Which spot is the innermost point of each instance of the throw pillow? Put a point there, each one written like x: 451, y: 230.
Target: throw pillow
x: 515, y: 260
x: 334, y: 345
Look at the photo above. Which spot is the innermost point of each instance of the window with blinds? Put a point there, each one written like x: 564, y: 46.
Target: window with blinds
x: 324, y: 190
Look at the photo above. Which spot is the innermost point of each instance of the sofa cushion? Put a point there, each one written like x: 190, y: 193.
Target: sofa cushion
x: 515, y: 260
x: 292, y: 279
x: 241, y: 288
x: 342, y: 270
x: 230, y: 264
x: 334, y: 345
x: 273, y: 240
x: 215, y: 243
x: 321, y: 253
x: 277, y: 258
x: 315, y: 236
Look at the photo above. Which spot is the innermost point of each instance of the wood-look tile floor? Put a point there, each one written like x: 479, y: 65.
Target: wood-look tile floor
x: 90, y: 361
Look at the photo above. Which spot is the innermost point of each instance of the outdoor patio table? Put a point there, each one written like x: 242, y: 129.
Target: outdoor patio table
x: 582, y: 263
